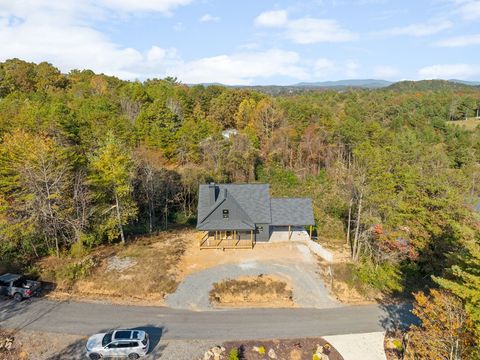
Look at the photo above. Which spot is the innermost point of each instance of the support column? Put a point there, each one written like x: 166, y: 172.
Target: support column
x: 289, y: 232
x: 310, y: 232
x: 251, y: 238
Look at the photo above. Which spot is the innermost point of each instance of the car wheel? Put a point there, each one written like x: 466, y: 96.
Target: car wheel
x: 133, y: 356
x: 95, y: 356
x: 17, y: 297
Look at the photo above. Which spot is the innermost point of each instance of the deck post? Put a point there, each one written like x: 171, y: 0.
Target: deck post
x: 289, y: 232
x: 310, y: 232
x: 251, y: 238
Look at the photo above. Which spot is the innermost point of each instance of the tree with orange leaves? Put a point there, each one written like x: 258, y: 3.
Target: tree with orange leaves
x: 445, y: 332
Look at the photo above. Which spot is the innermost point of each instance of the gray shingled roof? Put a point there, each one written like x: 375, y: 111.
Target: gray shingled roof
x: 254, y: 199
x: 295, y: 212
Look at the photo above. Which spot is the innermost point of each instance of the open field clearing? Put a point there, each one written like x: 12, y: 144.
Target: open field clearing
x: 148, y: 269
x: 142, y: 272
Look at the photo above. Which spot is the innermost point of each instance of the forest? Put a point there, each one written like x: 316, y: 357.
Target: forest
x: 88, y: 159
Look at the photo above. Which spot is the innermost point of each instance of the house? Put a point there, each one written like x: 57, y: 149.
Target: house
x: 239, y: 215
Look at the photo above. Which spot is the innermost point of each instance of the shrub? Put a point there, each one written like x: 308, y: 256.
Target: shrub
x: 384, y: 277
x: 233, y: 354
x: 261, y: 350
x: 75, y: 271
x: 397, y: 344
x: 77, y: 250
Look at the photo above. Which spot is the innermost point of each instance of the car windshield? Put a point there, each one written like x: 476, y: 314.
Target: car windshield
x: 145, y: 340
x: 19, y: 282
x: 107, y: 339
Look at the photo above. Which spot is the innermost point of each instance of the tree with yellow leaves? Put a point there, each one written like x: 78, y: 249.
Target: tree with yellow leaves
x: 445, y: 332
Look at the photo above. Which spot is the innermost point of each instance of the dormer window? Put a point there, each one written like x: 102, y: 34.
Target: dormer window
x: 225, y: 213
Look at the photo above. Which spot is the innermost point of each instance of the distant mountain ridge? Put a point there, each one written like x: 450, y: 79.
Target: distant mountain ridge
x: 432, y: 85
x: 368, y: 84
x: 464, y: 82
x: 360, y: 83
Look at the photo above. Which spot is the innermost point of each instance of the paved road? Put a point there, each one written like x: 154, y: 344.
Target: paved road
x: 87, y: 318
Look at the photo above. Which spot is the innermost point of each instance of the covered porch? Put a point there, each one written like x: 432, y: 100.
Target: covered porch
x: 227, y: 239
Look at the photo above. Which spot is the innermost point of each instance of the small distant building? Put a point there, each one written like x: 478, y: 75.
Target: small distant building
x: 239, y: 215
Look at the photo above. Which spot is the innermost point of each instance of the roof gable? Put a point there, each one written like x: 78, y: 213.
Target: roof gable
x: 253, y: 199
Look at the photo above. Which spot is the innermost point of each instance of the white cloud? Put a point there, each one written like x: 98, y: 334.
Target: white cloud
x: 386, y: 72
x: 327, y: 69
x: 469, y: 9
x: 449, y: 71
x: 179, y: 27
x: 90, y: 8
x: 65, y: 34
x: 62, y: 32
x: 351, y: 68
x: 272, y: 18
x: 423, y: 29
x: 241, y: 68
x: 310, y: 31
x: 324, y: 67
x: 209, y: 18
x: 305, y: 30
x: 459, y: 41
x: 164, y: 6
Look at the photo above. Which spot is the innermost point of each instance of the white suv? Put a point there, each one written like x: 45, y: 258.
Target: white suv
x: 131, y: 344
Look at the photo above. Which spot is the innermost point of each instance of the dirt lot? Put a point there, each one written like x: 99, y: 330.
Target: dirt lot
x: 261, y: 291
x: 141, y: 272
x: 29, y: 345
x: 196, y: 260
x: 147, y: 269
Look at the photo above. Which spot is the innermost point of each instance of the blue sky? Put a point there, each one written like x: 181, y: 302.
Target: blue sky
x: 249, y: 41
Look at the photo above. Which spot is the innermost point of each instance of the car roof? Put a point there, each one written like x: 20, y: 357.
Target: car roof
x: 128, y: 335
x: 9, y: 277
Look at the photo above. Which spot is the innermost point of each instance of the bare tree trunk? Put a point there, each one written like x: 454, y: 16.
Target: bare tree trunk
x: 52, y: 217
x: 349, y: 224
x: 150, y: 216
x: 356, y: 248
x: 166, y: 214
x: 119, y: 219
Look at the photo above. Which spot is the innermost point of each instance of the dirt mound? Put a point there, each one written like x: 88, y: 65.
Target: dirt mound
x: 253, y: 291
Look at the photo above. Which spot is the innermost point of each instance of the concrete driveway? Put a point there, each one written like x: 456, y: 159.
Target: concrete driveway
x: 307, y: 286
x: 292, y: 261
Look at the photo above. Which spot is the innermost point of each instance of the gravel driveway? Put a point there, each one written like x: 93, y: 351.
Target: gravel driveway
x: 308, y: 288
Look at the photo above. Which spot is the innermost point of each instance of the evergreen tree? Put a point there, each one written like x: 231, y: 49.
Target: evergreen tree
x: 111, y: 175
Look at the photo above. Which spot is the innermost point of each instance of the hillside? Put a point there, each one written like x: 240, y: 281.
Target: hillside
x: 342, y: 84
x: 88, y: 160
x: 430, y: 85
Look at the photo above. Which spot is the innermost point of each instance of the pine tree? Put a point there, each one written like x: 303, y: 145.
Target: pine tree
x: 111, y: 176
x: 466, y: 283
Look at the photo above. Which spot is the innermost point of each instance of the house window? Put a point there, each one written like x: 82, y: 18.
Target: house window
x: 225, y: 213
